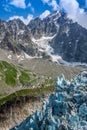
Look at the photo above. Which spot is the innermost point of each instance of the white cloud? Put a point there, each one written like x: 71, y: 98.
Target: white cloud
x: 18, y: 3
x: 71, y: 7
x: 52, y: 3
x: 31, y: 7
x: 25, y: 20
x: 74, y: 11
x: 45, y: 1
x: 44, y: 14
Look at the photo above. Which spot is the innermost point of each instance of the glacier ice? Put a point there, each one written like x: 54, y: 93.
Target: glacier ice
x: 65, y: 110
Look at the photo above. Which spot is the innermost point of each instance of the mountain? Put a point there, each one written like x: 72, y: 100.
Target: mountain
x: 15, y: 37
x: 56, y: 38
x: 23, y: 81
x: 45, y: 27
x: 70, y: 41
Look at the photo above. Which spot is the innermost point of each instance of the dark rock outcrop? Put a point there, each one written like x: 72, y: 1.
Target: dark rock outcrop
x: 15, y: 36
x: 70, y: 41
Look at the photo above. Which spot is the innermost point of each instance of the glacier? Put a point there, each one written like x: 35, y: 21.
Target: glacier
x: 66, y: 108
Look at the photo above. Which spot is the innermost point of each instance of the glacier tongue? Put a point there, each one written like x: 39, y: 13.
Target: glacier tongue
x: 65, y: 110
x: 44, y: 46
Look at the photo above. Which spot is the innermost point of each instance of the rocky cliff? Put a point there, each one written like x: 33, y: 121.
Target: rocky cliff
x: 64, y: 37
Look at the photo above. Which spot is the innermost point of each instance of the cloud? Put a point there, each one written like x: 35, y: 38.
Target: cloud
x: 44, y: 14
x: 72, y: 8
x: 74, y: 11
x: 45, y: 1
x: 18, y: 3
x: 25, y: 20
x: 22, y: 4
x: 52, y: 3
x: 31, y: 7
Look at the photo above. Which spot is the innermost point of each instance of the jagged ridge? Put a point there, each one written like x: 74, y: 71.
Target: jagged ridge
x: 70, y: 41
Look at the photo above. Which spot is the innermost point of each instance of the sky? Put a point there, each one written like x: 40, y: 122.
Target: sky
x: 30, y: 9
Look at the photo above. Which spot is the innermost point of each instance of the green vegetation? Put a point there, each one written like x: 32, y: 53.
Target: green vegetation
x: 24, y: 78
x: 8, y: 73
x: 27, y: 92
x: 11, y: 75
x: 16, y: 81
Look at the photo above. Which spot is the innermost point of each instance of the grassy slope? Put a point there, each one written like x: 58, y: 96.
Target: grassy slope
x: 27, y: 92
x: 10, y: 74
x: 13, y: 77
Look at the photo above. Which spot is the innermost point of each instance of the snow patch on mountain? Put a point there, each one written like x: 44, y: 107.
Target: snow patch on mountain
x: 21, y: 32
x: 56, y: 13
x: 19, y: 57
x: 27, y: 56
x: 9, y: 56
x: 44, y: 46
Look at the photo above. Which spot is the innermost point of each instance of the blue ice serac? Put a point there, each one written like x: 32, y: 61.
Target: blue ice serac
x: 65, y: 110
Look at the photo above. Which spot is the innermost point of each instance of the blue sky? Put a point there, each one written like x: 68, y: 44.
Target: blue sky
x: 29, y: 9
x: 10, y: 8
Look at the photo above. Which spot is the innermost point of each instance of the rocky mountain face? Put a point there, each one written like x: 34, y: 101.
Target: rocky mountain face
x: 45, y: 27
x: 15, y: 36
x: 70, y: 41
x: 55, y: 35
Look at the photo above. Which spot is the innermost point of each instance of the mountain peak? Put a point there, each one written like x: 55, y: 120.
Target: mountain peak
x: 67, y: 39
x: 16, y: 21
